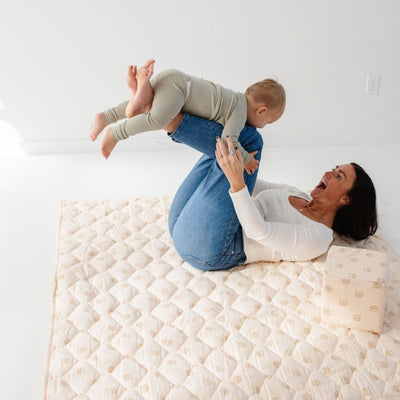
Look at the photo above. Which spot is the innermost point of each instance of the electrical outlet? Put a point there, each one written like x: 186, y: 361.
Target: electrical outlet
x: 373, y: 83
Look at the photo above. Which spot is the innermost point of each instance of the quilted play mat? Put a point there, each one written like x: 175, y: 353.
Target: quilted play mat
x: 132, y: 321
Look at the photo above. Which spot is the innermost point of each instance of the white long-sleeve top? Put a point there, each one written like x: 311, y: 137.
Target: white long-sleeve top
x: 273, y: 229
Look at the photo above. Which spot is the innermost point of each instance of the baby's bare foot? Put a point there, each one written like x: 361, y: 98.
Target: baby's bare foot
x: 150, y: 67
x: 131, y: 79
x: 141, y: 102
x: 146, y: 72
x: 132, y: 71
x: 108, y: 144
x: 97, y: 126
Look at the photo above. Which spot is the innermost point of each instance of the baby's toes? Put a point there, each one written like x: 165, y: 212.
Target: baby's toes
x: 150, y: 70
x: 131, y: 73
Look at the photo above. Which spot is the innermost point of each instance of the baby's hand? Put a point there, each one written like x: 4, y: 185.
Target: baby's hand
x: 252, y: 165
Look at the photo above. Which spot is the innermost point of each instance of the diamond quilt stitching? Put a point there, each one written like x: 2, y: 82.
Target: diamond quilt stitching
x: 133, y: 321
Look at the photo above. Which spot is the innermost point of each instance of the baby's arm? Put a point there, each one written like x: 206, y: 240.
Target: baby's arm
x: 252, y: 165
x: 232, y: 128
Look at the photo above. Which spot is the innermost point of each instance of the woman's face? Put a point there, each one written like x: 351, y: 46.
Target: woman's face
x: 335, y: 185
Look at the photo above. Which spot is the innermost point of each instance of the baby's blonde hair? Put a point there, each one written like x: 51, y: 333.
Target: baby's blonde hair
x: 269, y: 92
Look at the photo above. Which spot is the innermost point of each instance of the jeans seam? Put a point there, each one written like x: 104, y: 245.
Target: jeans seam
x: 230, y: 233
x: 212, y: 267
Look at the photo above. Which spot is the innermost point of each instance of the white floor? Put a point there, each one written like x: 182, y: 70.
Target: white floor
x: 32, y: 186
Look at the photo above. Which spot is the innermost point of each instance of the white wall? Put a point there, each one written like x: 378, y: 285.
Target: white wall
x: 62, y: 61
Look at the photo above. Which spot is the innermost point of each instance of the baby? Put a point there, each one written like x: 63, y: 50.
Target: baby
x: 154, y: 104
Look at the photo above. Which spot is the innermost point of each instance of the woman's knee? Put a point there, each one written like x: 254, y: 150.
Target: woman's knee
x: 251, y: 140
x: 193, y: 251
x: 171, y: 223
x: 207, y: 262
x: 191, y: 256
x: 179, y: 237
x: 186, y: 240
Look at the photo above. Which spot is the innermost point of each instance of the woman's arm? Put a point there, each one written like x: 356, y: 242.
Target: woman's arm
x: 262, y: 185
x: 296, y: 241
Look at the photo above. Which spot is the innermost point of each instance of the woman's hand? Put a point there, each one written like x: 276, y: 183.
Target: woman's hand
x: 231, y: 162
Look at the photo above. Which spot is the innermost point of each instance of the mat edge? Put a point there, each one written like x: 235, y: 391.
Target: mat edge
x: 61, y: 206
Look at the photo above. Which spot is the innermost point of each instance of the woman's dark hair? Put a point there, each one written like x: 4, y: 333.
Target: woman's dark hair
x: 358, y: 219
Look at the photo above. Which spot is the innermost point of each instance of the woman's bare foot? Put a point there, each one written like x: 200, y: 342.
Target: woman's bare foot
x: 142, y: 98
x: 108, y: 143
x: 97, y: 127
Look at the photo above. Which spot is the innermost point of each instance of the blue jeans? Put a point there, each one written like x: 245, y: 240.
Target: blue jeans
x: 202, y: 220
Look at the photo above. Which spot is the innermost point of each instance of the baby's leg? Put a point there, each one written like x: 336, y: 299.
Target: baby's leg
x: 105, y: 118
x: 141, y: 99
x: 97, y: 127
x: 142, y: 91
x: 169, y: 97
x: 108, y: 143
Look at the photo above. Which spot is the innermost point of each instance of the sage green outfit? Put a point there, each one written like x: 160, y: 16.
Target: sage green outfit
x: 175, y: 91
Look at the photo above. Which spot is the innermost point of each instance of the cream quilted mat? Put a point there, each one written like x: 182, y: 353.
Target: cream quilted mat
x: 133, y: 321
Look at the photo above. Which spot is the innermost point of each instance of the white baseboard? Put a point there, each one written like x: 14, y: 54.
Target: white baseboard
x: 331, y: 139
x: 156, y: 141
x: 148, y: 142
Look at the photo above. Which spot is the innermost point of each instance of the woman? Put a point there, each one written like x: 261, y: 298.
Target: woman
x: 215, y: 224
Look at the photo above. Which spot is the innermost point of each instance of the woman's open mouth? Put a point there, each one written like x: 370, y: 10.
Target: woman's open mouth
x: 320, y: 187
